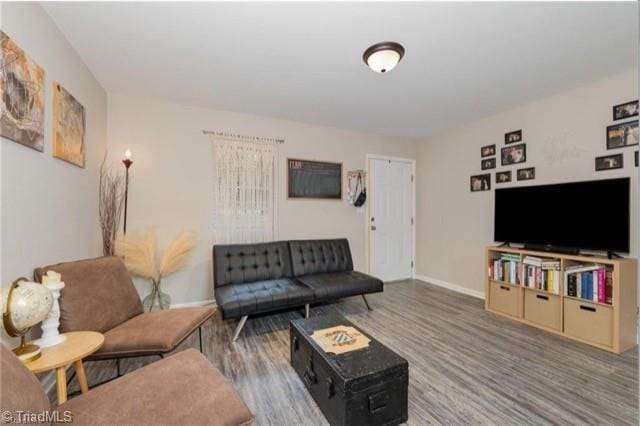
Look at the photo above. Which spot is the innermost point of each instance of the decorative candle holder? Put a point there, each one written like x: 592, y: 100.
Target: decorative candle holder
x: 50, y: 334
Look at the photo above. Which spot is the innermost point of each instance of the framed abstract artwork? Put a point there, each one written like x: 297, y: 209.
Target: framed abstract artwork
x: 22, y: 100
x: 68, y: 127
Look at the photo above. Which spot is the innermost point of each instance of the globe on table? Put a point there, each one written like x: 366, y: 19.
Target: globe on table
x: 25, y: 305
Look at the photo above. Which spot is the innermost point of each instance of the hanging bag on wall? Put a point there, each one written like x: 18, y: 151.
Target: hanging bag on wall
x: 362, y: 196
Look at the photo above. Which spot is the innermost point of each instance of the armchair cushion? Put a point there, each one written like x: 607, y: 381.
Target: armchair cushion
x: 98, y: 294
x: 21, y: 390
x: 152, y: 332
x: 181, y: 389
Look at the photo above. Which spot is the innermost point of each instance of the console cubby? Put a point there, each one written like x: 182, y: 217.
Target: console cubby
x: 609, y: 326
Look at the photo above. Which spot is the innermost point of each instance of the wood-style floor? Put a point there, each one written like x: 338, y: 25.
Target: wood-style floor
x: 466, y: 366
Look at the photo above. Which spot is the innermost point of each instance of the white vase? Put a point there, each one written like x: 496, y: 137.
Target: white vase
x: 50, y: 334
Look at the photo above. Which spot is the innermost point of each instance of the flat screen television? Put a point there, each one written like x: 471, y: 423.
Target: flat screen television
x: 582, y: 215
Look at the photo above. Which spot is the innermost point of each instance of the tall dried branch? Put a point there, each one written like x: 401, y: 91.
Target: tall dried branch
x: 110, y: 206
x: 176, y: 254
x: 138, y: 251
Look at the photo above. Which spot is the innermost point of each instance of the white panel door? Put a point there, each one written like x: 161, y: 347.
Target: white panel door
x: 390, y: 219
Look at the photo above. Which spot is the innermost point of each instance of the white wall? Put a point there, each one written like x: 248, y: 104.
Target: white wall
x: 171, y: 178
x: 49, y: 207
x: 563, y: 134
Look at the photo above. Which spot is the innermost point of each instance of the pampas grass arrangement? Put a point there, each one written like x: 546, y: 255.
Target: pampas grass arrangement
x: 139, y: 253
x: 110, y: 205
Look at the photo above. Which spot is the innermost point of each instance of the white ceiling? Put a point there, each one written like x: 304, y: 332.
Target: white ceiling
x: 303, y: 61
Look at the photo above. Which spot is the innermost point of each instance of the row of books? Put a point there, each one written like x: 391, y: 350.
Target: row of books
x: 506, y: 268
x: 593, y: 282
x: 542, y: 274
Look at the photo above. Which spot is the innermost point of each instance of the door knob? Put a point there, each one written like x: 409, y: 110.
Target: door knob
x: 373, y: 227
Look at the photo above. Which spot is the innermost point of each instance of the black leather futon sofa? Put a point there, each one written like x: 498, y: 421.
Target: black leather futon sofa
x: 252, y: 279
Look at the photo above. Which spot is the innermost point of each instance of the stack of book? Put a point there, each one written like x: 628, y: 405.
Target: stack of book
x: 590, y: 282
x: 506, y: 268
x: 541, y: 274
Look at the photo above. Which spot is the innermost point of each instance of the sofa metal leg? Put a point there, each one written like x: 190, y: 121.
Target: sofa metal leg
x: 239, y: 327
x: 118, y: 367
x: 366, y: 303
x: 306, y: 310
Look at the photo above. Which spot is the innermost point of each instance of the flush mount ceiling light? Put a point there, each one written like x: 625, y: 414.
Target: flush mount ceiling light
x: 383, y: 57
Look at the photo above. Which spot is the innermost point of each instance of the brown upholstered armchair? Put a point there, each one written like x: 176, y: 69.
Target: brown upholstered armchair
x: 99, y: 295
x: 181, y: 389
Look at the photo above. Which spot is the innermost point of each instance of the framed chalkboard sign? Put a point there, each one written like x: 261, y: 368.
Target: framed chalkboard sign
x: 314, y: 179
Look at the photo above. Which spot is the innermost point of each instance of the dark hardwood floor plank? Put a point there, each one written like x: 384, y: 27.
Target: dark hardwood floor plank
x: 466, y: 366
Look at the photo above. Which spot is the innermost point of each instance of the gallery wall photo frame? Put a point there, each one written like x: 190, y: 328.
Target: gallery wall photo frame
x: 625, y: 110
x: 621, y: 135
x: 488, y: 151
x: 609, y: 162
x: 528, y: 173
x: 513, y: 137
x: 480, y: 182
x: 314, y: 180
x: 489, y: 163
x: 503, y: 177
x: 513, y: 154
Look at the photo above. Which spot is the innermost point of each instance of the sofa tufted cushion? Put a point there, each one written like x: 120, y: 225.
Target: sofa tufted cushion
x: 336, y: 285
x: 320, y: 256
x: 237, y: 300
x: 245, y: 263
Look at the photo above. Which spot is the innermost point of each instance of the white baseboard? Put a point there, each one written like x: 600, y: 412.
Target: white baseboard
x: 454, y: 287
x: 192, y: 304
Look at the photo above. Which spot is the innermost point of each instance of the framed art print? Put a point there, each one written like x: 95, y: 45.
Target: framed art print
x: 513, y: 137
x: 514, y: 154
x: 622, y: 135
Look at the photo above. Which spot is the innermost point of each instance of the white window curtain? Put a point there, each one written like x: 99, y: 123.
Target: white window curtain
x: 244, y: 193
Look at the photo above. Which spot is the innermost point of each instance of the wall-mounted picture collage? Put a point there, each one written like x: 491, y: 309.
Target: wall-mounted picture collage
x: 620, y: 135
x: 514, y: 152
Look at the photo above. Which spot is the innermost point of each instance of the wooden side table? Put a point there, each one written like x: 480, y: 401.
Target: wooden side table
x: 79, y: 345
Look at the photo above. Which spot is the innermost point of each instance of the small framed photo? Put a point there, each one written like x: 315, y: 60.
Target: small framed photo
x: 489, y: 163
x: 626, y: 110
x: 503, y: 177
x: 481, y: 182
x: 609, y: 162
x: 514, y: 154
x: 527, y: 174
x: 513, y: 137
x: 622, y: 135
x: 488, y: 151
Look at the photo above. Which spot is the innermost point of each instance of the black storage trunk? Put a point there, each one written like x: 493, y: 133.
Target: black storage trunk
x: 364, y: 387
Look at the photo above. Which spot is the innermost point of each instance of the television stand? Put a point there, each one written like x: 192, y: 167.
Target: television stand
x: 552, y: 249
x: 555, y: 306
